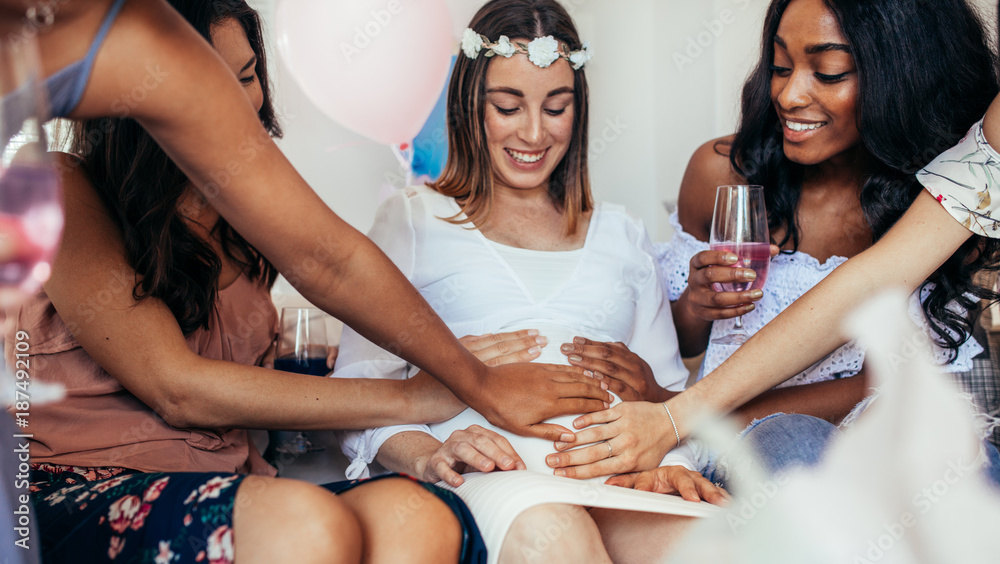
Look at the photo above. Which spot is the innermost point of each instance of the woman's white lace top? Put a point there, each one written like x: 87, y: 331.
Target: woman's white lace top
x: 790, y: 276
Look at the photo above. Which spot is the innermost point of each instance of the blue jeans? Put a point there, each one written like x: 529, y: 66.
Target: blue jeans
x: 782, y: 441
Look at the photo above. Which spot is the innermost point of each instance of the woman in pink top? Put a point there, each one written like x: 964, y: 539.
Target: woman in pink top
x: 157, y: 319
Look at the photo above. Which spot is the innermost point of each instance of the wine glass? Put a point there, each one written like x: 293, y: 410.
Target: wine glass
x: 739, y: 226
x: 31, y: 214
x: 302, y: 349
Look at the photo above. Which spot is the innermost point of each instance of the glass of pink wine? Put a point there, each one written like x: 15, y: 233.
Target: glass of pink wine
x: 31, y: 213
x: 739, y: 226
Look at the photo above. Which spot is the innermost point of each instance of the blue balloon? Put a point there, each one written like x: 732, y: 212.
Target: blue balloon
x: 430, y: 146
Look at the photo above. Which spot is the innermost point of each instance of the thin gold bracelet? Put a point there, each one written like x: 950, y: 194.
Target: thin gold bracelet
x: 674, y: 424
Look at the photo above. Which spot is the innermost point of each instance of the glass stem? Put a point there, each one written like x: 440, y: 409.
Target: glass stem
x: 739, y: 323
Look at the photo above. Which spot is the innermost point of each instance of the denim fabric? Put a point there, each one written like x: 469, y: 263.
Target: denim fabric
x: 779, y: 442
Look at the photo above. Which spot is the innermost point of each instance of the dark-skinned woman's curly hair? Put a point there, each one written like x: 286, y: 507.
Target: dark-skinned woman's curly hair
x: 141, y: 188
x: 926, y: 74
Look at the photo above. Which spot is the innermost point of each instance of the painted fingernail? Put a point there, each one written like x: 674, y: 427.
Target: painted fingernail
x: 576, y: 358
x: 588, y: 373
x: 731, y: 258
x: 566, y: 348
x: 598, y: 375
x: 756, y: 294
x: 542, y: 341
x: 566, y: 438
x: 604, y: 386
x: 579, y: 340
x: 749, y: 275
x: 534, y: 350
x: 552, y: 460
x: 532, y: 332
x: 606, y: 404
x: 560, y: 472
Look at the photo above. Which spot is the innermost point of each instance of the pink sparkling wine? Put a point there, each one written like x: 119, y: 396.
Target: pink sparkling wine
x: 755, y: 256
x: 31, y: 219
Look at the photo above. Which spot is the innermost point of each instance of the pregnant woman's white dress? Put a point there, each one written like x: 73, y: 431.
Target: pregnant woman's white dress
x: 609, y: 290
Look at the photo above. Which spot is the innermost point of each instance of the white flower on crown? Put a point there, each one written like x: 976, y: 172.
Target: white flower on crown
x: 543, y: 51
x: 472, y: 43
x: 580, y: 58
x: 504, y: 47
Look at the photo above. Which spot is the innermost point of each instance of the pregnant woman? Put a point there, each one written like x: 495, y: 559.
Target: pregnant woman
x: 507, y: 240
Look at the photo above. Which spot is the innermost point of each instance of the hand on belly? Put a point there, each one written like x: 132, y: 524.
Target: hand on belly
x: 531, y: 450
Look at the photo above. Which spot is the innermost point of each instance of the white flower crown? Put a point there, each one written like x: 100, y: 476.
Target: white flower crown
x: 542, y: 51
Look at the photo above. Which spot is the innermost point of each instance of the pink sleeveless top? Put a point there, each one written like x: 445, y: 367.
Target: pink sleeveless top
x: 101, y: 424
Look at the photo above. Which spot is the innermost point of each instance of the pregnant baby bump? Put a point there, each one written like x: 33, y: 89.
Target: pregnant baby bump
x: 532, y: 450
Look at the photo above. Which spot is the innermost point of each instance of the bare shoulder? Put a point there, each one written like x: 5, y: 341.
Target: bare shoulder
x: 88, y: 222
x: 708, y: 168
x: 144, y: 61
x: 78, y: 190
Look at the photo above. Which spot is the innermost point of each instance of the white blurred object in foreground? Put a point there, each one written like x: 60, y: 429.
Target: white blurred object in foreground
x: 903, y: 485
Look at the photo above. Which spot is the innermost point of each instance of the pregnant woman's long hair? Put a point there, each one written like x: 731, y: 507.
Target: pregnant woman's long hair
x: 141, y: 187
x: 468, y: 173
x: 926, y: 75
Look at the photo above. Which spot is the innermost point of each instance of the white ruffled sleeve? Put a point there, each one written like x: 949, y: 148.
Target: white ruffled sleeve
x: 964, y: 180
x: 691, y: 454
x: 654, y: 337
x: 395, y: 234
x: 675, y: 259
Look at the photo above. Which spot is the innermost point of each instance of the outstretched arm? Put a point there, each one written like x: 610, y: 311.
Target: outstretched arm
x: 806, y: 331
x: 917, y: 245
x: 194, y: 108
x: 140, y: 344
x: 812, y: 327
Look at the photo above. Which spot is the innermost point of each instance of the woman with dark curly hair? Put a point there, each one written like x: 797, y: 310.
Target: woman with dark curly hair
x: 825, y: 131
x: 849, y: 101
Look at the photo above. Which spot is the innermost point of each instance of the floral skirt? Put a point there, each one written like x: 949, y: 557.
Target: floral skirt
x: 159, y: 518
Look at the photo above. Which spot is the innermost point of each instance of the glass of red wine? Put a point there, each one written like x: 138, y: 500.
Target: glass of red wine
x: 739, y: 226
x: 302, y: 349
x: 31, y: 213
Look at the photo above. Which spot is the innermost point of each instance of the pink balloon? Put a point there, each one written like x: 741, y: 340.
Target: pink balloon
x: 374, y: 66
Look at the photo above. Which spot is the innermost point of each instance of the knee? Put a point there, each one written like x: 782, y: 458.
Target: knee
x: 550, y: 533
x: 418, y: 513
x: 332, y: 528
x: 404, y: 522
x: 306, y: 523
x: 783, y: 440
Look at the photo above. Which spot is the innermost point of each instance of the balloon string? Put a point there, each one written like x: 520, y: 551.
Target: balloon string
x: 405, y: 158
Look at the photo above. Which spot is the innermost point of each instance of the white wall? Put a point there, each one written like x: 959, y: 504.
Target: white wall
x: 665, y: 78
